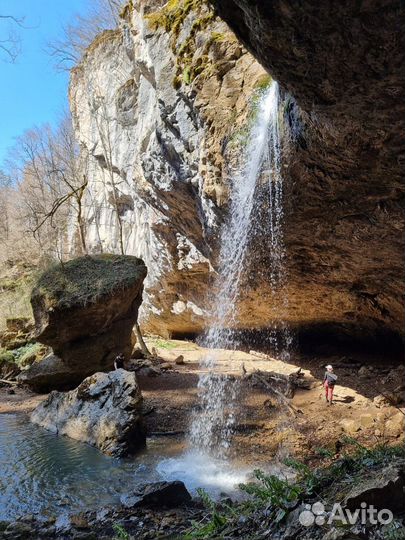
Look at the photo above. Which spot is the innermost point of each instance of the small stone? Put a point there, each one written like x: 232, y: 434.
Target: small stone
x: 166, y: 365
x: 350, y: 426
x: 79, y: 521
x: 366, y: 420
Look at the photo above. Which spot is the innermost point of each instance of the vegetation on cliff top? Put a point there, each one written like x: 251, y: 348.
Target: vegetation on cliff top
x: 83, y: 280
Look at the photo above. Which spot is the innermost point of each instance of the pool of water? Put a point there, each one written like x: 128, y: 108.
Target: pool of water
x: 41, y: 473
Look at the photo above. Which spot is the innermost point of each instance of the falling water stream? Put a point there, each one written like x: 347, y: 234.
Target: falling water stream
x: 34, y: 477
x: 257, y: 189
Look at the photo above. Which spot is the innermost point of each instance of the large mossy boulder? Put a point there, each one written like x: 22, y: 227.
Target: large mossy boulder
x: 85, y: 310
x: 103, y: 411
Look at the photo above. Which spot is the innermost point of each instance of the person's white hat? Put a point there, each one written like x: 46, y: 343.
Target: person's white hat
x: 329, y: 366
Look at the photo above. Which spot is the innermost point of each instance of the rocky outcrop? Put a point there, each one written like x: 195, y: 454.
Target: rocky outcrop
x: 104, y: 411
x: 49, y: 374
x: 85, y: 310
x: 342, y: 66
x: 158, y: 112
x: 160, y: 108
x: 382, y: 489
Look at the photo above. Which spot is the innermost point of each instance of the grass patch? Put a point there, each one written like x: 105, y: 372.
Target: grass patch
x: 84, y: 280
x: 162, y: 344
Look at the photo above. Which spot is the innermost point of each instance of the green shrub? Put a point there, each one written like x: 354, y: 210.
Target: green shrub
x: 279, y: 494
x: 28, y: 354
x: 120, y: 532
x: 6, y: 357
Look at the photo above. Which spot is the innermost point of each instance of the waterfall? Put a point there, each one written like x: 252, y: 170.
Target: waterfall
x: 256, y: 188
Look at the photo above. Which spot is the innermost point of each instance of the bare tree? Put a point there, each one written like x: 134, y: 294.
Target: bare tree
x: 77, y: 35
x: 49, y: 186
x: 5, y: 183
x: 10, y: 42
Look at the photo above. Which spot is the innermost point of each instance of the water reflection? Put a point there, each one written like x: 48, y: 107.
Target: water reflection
x: 43, y: 473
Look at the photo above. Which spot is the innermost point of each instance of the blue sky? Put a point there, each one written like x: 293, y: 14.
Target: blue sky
x: 31, y: 91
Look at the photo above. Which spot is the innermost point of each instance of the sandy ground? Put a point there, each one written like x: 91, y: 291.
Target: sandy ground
x: 264, y: 428
x: 21, y: 401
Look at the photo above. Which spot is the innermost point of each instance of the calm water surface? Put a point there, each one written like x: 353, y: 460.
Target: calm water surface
x: 41, y: 473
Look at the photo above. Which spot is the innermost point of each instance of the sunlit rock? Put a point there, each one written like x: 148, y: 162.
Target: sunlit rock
x: 104, y: 411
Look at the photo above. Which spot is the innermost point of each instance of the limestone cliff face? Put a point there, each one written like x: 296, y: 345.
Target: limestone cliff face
x: 156, y: 104
x: 154, y: 111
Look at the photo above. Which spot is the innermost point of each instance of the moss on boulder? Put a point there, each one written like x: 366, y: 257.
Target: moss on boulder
x: 86, y: 280
x: 85, y: 310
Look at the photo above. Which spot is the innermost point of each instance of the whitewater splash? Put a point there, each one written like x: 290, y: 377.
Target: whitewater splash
x: 257, y: 186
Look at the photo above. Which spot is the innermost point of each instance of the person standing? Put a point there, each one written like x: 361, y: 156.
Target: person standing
x: 119, y: 361
x: 329, y: 381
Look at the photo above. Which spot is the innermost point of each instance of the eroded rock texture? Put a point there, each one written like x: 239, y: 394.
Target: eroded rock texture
x: 85, y: 310
x: 158, y: 105
x: 155, y: 111
x: 343, y: 65
x: 104, y: 411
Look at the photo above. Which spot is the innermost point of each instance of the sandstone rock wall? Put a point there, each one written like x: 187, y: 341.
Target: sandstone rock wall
x: 343, y: 64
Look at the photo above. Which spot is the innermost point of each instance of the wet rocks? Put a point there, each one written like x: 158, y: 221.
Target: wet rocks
x: 159, y: 494
x: 104, y: 411
x: 85, y: 310
x: 345, y: 163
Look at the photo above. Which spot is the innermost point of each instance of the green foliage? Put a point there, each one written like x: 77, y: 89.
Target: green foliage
x: 172, y: 15
x: 187, y: 75
x: 120, y: 532
x: 324, y: 453
x: 271, y: 490
x: 219, y: 37
x: 28, y: 354
x: 214, y: 522
x: 6, y: 357
x: 85, y: 279
x: 277, y: 497
x: 162, y: 344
